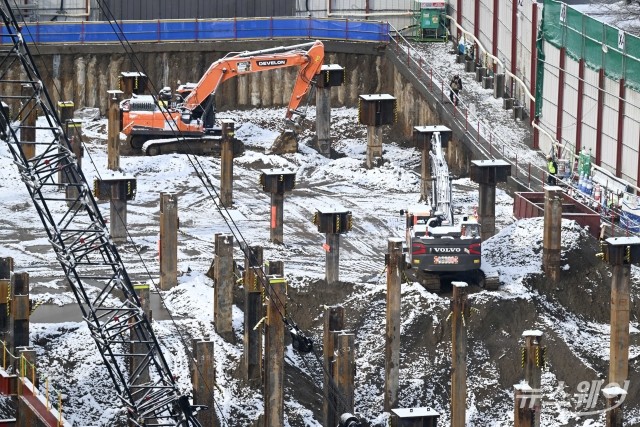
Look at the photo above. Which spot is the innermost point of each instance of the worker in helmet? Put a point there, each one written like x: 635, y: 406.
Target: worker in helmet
x: 552, y: 168
x: 455, y: 86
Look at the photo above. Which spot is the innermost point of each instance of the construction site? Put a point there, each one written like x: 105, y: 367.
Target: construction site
x: 219, y: 217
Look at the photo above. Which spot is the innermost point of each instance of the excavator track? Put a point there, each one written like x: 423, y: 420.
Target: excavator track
x: 205, y: 145
x: 490, y: 283
x: 434, y: 282
x: 153, y: 142
x: 430, y: 281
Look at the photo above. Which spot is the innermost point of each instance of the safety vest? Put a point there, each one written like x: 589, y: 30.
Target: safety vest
x: 551, y: 167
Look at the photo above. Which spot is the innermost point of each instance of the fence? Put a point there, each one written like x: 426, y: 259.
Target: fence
x: 161, y: 31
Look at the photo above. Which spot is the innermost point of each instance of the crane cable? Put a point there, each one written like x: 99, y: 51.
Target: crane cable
x: 58, y: 92
x: 294, y: 330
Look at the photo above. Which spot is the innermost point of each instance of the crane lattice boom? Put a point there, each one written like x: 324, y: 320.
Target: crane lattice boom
x: 81, y: 240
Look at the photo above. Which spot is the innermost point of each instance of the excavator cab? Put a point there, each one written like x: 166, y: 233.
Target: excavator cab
x: 183, y: 91
x: 206, y: 111
x: 470, y: 230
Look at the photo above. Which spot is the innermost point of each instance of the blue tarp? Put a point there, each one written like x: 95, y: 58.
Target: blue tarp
x: 200, y: 30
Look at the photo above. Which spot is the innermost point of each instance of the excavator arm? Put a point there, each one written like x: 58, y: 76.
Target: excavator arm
x: 309, y: 60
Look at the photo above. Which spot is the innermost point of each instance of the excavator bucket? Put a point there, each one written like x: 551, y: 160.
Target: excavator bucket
x: 286, y: 142
x: 294, y: 124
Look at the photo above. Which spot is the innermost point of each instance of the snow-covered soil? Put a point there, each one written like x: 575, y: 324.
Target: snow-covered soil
x: 571, y: 314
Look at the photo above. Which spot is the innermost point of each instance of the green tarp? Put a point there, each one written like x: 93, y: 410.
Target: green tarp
x: 596, y: 42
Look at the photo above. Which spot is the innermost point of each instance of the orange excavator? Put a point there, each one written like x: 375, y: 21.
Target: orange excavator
x: 160, y: 125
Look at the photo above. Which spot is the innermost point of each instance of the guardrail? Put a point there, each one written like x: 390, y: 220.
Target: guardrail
x: 23, y: 384
x: 529, y: 174
x: 195, y: 30
x: 479, y: 132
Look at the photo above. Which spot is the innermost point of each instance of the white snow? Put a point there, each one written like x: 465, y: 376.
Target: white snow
x: 68, y: 356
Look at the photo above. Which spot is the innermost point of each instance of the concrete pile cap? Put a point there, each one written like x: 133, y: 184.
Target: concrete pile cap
x: 331, y: 67
x: 278, y: 172
x: 614, y: 391
x: 117, y: 176
x: 427, y: 129
x: 459, y: 284
x: 414, y: 412
x: 382, y: 97
x: 623, y: 241
x: 338, y: 210
x: 523, y: 387
x: 532, y: 333
x: 132, y: 74
x: 489, y: 163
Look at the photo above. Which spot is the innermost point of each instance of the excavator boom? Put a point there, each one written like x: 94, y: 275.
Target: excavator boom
x: 310, y: 61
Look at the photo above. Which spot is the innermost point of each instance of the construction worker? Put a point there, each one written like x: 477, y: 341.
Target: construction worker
x: 552, y: 168
x: 164, y: 96
x: 455, y: 86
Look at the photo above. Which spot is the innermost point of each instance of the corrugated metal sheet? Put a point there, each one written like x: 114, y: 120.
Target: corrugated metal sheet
x: 504, y: 32
x: 390, y: 4
x: 393, y: 8
x: 485, y: 34
x: 468, y: 9
x: 452, y: 11
x: 317, y: 8
x: 550, y: 88
x: 590, y: 110
x: 189, y: 9
x: 523, y: 63
x: 611, y: 101
x: 631, y: 136
x: 570, y: 120
x: 354, y: 5
x: 610, y: 126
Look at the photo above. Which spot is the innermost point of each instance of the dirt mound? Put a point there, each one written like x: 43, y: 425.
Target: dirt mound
x: 579, y: 300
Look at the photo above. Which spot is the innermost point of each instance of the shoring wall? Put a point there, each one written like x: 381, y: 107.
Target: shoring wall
x: 507, y: 28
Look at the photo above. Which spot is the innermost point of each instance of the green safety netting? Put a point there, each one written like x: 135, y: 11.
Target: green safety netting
x: 596, y: 42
